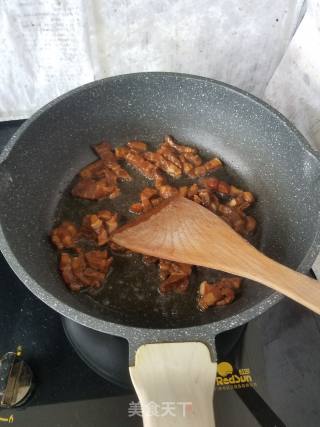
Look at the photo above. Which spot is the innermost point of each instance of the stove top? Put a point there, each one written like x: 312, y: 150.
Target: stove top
x: 68, y: 393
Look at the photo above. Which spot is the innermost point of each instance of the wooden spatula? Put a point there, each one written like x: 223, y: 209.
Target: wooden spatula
x: 181, y: 230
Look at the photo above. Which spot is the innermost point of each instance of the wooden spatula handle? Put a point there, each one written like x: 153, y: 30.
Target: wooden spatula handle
x: 294, y: 285
x: 175, y: 384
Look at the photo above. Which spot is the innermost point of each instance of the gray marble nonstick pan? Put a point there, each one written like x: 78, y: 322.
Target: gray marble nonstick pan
x: 262, y: 151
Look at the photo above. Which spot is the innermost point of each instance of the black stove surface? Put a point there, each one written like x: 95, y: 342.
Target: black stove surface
x: 68, y: 393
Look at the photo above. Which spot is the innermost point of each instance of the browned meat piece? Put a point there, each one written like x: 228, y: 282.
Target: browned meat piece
x: 167, y: 191
x: 187, y: 167
x: 96, y: 176
x: 65, y: 235
x: 116, y: 193
x: 204, y: 197
x: 193, y: 158
x: 88, y: 188
x: 251, y: 225
x: 175, y: 276
x: 164, y: 164
x: 173, y: 158
x: 149, y: 198
x: 209, y: 166
x: 230, y: 282
x: 110, y: 176
x: 192, y: 191
x: 98, y: 260
x: 173, y: 283
x: 232, y: 213
x: 248, y: 197
x: 213, y: 164
x: 105, y: 152
x: 99, y: 226
x: 93, y: 170
x: 200, y: 171
x: 169, y: 167
x: 98, y: 170
x: 152, y: 157
x: 214, y: 204
x: 183, y: 157
x: 111, y: 221
x: 170, y: 154
x: 84, y: 270
x: 167, y: 267
x: 220, y: 293
x: 92, y: 278
x: 168, y: 139
x: 164, y: 268
x: 236, y: 219
x: 239, y: 198
x: 110, y: 218
x: 211, y: 183
x: 216, y: 296
x: 121, y: 152
x: 225, y: 210
x: 146, y: 195
x: 137, y: 145
x: 85, y: 274
x: 215, y: 184
x: 182, y: 286
x: 67, y: 273
x: 159, y: 179
x: 185, y: 268
x: 145, y: 167
x: 136, y: 208
x: 223, y: 187
x: 78, y: 265
x: 121, y: 173
x: 242, y: 201
x: 94, y: 228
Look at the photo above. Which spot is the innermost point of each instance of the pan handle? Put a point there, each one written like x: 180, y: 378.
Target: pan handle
x: 175, y: 384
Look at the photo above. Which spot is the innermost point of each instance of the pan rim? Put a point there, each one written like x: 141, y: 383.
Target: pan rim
x: 140, y: 334
x: 301, y: 139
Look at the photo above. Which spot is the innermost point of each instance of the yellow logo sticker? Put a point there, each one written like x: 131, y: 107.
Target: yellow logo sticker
x: 224, y: 369
x: 229, y: 378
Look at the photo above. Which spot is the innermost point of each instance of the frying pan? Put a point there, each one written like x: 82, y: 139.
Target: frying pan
x: 172, y: 345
